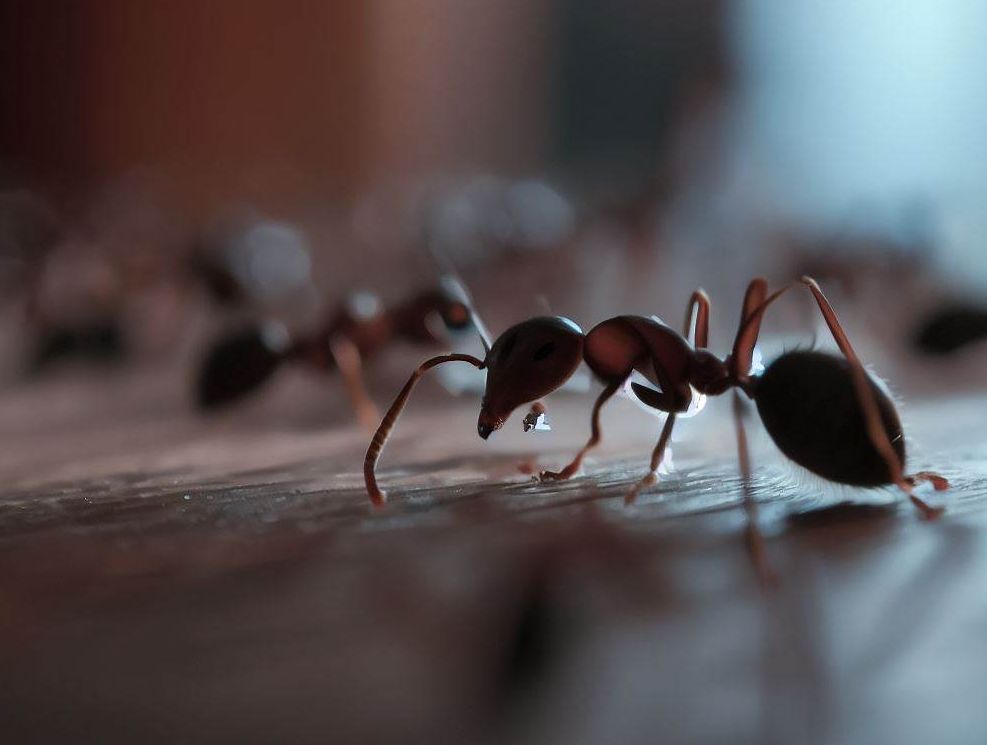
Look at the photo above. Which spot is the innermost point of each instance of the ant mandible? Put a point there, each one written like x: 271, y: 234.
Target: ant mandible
x: 823, y: 411
x: 238, y: 364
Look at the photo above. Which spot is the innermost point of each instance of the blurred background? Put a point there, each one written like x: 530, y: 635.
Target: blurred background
x: 590, y: 158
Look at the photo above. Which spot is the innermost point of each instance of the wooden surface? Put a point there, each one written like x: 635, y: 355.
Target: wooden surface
x: 169, y: 579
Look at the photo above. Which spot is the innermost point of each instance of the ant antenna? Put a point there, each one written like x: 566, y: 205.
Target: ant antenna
x: 451, y: 282
x: 387, y: 423
x: 454, y: 284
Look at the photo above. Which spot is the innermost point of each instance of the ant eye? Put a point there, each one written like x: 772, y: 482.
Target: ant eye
x: 544, y: 350
x: 456, y: 315
x: 508, y: 346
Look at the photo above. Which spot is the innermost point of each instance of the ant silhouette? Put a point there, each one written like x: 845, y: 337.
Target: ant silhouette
x: 823, y: 411
x: 239, y: 363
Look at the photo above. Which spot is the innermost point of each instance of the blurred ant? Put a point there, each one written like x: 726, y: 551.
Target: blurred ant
x: 823, y: 411
x: 247, y: 260
x: 240, y: 363
x: 950, y: 328
x: 70, y: 299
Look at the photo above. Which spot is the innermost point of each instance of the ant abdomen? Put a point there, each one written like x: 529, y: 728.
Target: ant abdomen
x: 950, y: 329
x: 241, y: 363
x: 809, y: 406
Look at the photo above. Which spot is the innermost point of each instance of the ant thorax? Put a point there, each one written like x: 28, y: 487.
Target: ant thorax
x: 708, y: 374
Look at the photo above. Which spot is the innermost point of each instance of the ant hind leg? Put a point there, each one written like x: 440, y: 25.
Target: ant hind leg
x: 872, y: 416
x: 755, y: 540
x: 939, y: 483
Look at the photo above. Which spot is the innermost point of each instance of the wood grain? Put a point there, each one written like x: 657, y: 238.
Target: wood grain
x: 172, y: 579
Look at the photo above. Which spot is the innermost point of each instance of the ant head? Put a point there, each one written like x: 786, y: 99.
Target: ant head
x: 528, y: 361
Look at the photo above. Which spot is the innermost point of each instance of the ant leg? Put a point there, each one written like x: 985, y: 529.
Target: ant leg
x: 387, y: 423
x: 657, y: 455
x: 698, y: 306
x: 872, y: 416
x: 350, y: 365
x: 938, y: 482
x: 743, y: 350
x: 755, y: 541
x: 593, y: 441
x: 926, y: 511
x: 750, y: 326
x: 756, y: 292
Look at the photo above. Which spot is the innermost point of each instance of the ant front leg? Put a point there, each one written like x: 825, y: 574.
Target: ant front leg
x: 593, y: 441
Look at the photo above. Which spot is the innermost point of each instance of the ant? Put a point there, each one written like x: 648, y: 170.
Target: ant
x: 950, y: 328
x: 823, y: 411
x: 239, y: 363
x: 72, y: 315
